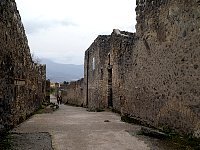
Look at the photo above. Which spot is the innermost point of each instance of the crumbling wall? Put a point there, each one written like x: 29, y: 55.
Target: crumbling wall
x: 48, y: 91
x: 151, y: 75
x: 96, y: 73
x: 156, y: 74
x: 107, y: 61
x: 22, y: 86
x: 72, y: 93
x: 163, y: 84
x: 122, y: 44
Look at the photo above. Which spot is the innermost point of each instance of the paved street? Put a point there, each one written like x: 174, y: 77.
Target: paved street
x: 74, y: 128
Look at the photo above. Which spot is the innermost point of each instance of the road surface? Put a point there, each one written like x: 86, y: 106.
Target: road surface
x: 74, y: 128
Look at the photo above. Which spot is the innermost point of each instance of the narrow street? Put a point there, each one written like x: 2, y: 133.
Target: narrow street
x: 74, y: 128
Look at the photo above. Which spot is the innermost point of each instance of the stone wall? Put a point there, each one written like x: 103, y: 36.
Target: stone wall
x: 105, y: 67
x: 96, y: 74
x: 151, y: 75
x: 22, y: 82
x: 48, y: 91
x: 72, y: 93
x: 121, y: 62
x: 163, y: 87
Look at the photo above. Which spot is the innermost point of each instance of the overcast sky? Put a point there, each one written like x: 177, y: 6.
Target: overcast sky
x: 61, y: 30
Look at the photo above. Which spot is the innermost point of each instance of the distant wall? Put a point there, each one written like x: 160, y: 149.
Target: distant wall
x: 22, y: 82
x: 96, y: 74
x: 72, y: 93
x: 105, y: 69
x: 48, y: 91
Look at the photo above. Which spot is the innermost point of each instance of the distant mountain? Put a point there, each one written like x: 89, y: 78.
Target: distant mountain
x: 62, y: 72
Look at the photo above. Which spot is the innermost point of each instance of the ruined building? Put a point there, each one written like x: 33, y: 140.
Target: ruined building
x: 73, y: 93
x: 152, y: 75
x: 22, y: 82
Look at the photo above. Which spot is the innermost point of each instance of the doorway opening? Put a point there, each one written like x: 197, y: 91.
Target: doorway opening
x: 110, y: 93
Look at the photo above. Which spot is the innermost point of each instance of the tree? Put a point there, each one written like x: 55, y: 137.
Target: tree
x: 65, y: 82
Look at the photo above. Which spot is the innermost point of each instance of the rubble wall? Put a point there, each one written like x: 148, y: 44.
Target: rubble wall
x: 151, y: 75
x: 22, y: 82
x: 162, y: 86
x: 96, y: 74
x: 72, y: 93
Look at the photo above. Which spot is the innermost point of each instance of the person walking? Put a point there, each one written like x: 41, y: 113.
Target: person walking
x: 59, y: 98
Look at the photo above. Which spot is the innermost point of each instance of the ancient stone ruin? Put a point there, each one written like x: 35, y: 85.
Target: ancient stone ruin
x: 73, y: 93
x: 152, y: 75
x: 22, y: 81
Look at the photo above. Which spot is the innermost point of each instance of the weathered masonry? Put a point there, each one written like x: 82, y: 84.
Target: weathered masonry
x: 22, y: 82
x: 152, y: 75
x: 104, y: 69
x: 73, y: 93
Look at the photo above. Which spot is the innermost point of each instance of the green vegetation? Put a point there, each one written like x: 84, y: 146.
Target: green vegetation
x: 99, y: 110
x: 96, y: 110
x: 6, y: 142
x: 184, y: 141
x: 47, y: 109
x: 52, y: 90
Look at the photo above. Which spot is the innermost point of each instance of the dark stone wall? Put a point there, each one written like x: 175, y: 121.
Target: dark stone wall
x: 22, y: 82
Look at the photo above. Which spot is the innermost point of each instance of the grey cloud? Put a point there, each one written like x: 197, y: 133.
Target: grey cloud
x: 33, y: 26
